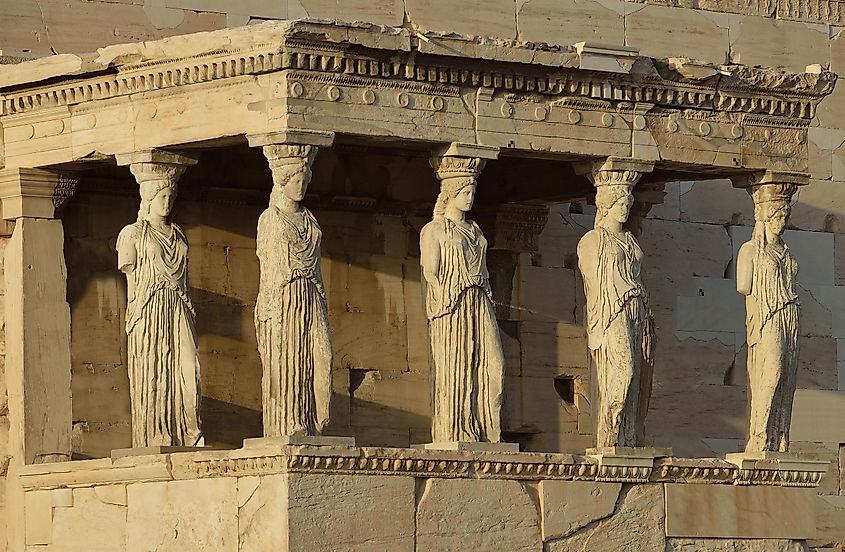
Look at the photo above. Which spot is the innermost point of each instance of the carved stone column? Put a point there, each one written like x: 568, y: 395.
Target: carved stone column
x: 620, y: 328
x: 38, y: 366
x: 766, y: 274
x: 160, y: 320
x: 467, y: 364
x: 295, y: 351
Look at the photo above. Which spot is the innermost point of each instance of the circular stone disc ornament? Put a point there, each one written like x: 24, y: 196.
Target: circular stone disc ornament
x: 704, y: 128
x: 672, y: 125
x: 334, y: 93
x: 737, y: 131
x: 296, y: 89
x: 507, y: 110
x: 639, y: 122
x: 541, y: 113
x: 368, y: 96
x: 573, y: 116
x: 607, y: 120
x: 402, y: 99
x: 438, y: 103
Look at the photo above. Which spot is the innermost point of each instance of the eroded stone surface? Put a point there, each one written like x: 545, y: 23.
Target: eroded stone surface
x: 729, y: 511
x: 342, y: 513
x: 734, y: 545
x: 90, y: 515
x: 570, y: 505
x: 176, y: 515
x: 492, y: 515
x: 637, y: 524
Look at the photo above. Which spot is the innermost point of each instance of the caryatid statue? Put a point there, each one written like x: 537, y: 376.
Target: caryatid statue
x: 466, y: 352
x: 765, y: 274
x: 164, y: 367
x: 620, y: 327
x: 291, y: 317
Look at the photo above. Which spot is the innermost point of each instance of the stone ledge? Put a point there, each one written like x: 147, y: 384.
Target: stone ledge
x: 532, y: 466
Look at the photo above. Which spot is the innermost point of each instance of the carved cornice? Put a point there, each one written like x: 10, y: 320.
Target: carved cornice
x: 332, y: 60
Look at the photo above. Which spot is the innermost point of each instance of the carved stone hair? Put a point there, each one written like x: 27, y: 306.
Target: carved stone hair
x: 606, y: 198
x: 280, y: 155
x: 153, y: 178
x: 769, y: 199
x: 455, y: 174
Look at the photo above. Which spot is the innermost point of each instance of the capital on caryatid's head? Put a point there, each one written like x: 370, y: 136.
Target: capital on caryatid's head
x: 458, y: 160
x: 771, y: 191
x: 614, y: 171
x: 291, y: 147
x: 155, y: 164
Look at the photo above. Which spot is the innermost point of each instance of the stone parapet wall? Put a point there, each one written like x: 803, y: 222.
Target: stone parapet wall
x: 716, y: 25
x: 368, y: 499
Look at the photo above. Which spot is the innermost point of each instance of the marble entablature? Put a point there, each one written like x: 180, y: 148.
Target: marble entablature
x: 586, y: 101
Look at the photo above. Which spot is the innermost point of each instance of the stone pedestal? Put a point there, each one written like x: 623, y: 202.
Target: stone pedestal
x: 636, y: 452
x: 788, y: 468
x: 465, y: 446
x: 37, y: 326
x: 146, y: 451
x: 310, y: 440
x: 626, y: 464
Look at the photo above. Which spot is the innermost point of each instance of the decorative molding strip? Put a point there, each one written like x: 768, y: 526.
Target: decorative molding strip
x: 407, y: 462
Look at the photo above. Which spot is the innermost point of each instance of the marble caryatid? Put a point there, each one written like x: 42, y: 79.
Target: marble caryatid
x: 619, y: 321
x: 468, y: 364
x: 164, y: 367
x: 291, y: 318
x: 765, y: 274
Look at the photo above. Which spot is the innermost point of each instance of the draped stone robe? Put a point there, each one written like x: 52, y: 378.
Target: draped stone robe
x: 468, y: 363
x: 619, y: 334
x: 164, y: 369
x: 772, y: 310
x: 292, y: 325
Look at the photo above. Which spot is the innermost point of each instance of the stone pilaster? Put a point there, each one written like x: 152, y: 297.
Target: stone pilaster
x: 37, y: 363
x: 37, y: 318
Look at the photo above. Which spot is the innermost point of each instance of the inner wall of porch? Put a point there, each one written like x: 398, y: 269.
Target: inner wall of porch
x: 371, y: 204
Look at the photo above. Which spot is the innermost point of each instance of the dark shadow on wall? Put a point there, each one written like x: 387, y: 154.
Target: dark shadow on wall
x: 371, y: 204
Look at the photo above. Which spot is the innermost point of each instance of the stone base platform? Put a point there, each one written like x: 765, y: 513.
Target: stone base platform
x: 146, y: 451
x: 469, y: 446
x: 790, y: 468
x: 630, y: 463
x: 308, y: 498
x: 310, y: 440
